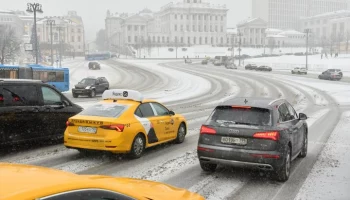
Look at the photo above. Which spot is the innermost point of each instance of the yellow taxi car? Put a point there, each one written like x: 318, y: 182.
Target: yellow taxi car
x: 25, y: 182
x: 124, y: 122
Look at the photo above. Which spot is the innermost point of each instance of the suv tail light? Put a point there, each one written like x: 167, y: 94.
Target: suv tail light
x: 272, y: 135
x: 116, y: 127
x: 68, y: 123
x: 207, y: 130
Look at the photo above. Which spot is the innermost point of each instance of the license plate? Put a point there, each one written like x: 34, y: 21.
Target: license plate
x: 83, y: 129
x: 232, y: 140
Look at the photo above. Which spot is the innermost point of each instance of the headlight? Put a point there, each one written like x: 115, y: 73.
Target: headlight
x: 88, y: 87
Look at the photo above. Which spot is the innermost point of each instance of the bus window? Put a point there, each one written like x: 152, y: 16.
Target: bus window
x: 11, y: 74
x: 36, y: 75
x: 59, y: 76
x: 43, y: 76
x: 51, y: 77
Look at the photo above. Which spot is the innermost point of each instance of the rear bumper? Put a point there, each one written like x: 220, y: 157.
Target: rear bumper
x: 265, y: 160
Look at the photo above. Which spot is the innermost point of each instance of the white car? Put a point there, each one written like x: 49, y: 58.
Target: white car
x: 299, y: 70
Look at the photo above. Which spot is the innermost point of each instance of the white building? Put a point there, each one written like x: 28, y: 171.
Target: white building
x: 9, y: 18
x: 186, y: 23
x: 285, y: 38
x: 285, y: 14
x: 252, y: 32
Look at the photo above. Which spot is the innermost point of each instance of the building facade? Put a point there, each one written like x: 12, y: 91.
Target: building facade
x: 252, y: 32
x: 9, y: 18
x: 330, y: 29
x: 186, y: 23
x: 285, y: 14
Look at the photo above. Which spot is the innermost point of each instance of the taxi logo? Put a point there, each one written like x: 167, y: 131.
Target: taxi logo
x: 87, y: 122
x: 125, y: 94
x: 172, y: 121
x: 117, y: 94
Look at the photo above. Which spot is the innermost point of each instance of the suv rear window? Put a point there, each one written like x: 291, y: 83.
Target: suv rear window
x: 227, y: 115
x: 105, y: 110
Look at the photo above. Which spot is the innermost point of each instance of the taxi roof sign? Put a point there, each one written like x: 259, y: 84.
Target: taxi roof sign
x: 125, y: 94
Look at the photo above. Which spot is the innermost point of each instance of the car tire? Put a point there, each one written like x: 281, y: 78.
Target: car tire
x: 282, y: 173
x: 75, y: 95
x: 92, y: 93
x: 303, y: 151
x: 181, y: 134
x: 137, y: 147
x: 208, y: 167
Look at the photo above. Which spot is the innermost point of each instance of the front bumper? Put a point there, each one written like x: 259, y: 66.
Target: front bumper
x: 81, y: 91
x: 264, y: 160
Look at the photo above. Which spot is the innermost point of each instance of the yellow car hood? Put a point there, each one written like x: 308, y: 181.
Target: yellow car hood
x: 148, y: 189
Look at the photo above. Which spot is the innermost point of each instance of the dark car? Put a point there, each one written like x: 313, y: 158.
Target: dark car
x: 204, y: 62
x: 331, y: 74
x: 264, y: 68
x: 90, y: 86
x: 32, y: 110
x: 261, y: 133
x: 251, y: 67
x: 94, y: 65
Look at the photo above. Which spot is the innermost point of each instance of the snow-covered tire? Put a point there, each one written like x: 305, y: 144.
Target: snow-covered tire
x: 208, y: 167
x: 282, y: 173
x: 92, y: 94
x: 303, y: 151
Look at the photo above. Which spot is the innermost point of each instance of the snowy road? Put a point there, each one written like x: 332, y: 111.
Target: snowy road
x: 193, y: 90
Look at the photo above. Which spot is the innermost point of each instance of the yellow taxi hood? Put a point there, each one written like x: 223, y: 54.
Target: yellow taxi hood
x: 148, y: 189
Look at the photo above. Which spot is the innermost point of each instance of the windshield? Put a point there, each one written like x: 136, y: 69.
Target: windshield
x: 87, y: 81
x: 104, y: 110
x: 226, y: 116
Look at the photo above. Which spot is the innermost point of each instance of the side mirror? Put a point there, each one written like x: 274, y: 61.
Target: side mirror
x: 65, y: 103
x: 171, y: 112
x: 302, y: 116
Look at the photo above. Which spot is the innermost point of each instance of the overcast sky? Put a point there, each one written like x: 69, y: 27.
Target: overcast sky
x: 93, y: 12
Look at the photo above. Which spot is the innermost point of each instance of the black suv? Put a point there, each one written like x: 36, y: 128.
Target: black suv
x: 90, y: 86
x: 251, y: 67
x: 94, y: 65
x: 261, y: 133
x: 32, y: 110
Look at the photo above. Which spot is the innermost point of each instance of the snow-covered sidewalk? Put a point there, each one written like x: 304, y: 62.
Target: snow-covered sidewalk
x: 330, y: 176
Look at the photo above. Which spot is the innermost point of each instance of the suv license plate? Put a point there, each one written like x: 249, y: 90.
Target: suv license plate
x: 83, y: 129
x: 232, y: 140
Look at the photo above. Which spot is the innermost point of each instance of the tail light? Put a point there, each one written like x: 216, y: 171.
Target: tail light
x: 1, y: 98
x: 68, y: 123
x: 116, y: 127
x: 207, y: 130
x: 273, y: 135
x: 241, y: 107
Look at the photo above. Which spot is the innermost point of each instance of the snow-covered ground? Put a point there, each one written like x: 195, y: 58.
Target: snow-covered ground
x: 330, y: 176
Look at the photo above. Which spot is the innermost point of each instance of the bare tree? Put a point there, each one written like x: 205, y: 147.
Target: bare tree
x: 9, y: 43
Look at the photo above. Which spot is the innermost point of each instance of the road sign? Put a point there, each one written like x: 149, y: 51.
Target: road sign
x: 28, y: 47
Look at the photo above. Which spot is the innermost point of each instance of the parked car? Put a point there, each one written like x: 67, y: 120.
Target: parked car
x: 331, y: 74
x: 217, y: 63
x: 299, y: 70
x: 251, y: 67
x: 32, y: 110
x: 90, y: 86
x: 264, y: 68
x: 188, y: 61
x: 230, y: 66
x: 204, y: 62
x: 94, y: 65
x: 261, y: 133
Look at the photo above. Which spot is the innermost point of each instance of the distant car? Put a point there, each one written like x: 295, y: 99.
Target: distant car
x: 94, y: 65
x: 90, y: 86
x: 29, y: 182
x: 261, y: 133
x: 251, y: 67
x: 124, y: 122
x: 299, y: 70
x: 188, y: 61
x: 264, y: 68
x: 217, y: 63
x: 230, y: 66
x: 331, y: 74
x: 204, y: 62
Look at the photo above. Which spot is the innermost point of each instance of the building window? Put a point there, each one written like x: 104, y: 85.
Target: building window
x: 182, y: 40
x: 188, y: 27
x: 129, y: 27
x: 216, y: 28
x: 129, y: 39
x: 211, y: 28
x: 205, y: 28
x: 189, y: 40
x: 212, y: 40
x: 200, y: 40
x: 163, y: 39
x: 206, y: 40
x: 175, y: 27
x: 194, y: 40
x: 175, y: 16
x: 194, y: 28
x: 142, y: 28
x: 135, y: 39
x: 167, y: 39
x: 154, y: 39
x: 187, y: 17
x: 72, y: 39
x: 222, y: 40
x: 181, y: 16
x: 158, y: 39
x: 135, y: 27
x: 79, y: 39
x: 175, y: 39
x: 199, y: 28
x: 194, y: 17
x: 222, y: 29
x: 222, y: 18
x: 216, y: 18
x: 205, y: 17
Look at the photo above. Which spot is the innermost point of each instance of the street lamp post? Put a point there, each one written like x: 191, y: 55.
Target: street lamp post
x: 307, y: 31
x: 239, y: 34
x: 50, y: 23
x: 60, y: 43
x: 34, y: 8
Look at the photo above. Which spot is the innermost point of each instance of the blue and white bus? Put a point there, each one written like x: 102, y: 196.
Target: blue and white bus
x: 98, y: 56
x: 57, y: 77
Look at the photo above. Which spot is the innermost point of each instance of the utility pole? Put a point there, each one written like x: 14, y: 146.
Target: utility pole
x: 233, y: 48
x: 50, y: 23
x: 307, y: 31
x: 34, y: 8
x: 239, y: 46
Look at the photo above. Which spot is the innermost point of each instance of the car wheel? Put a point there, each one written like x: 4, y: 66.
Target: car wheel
x: 138, y: 147
x: 92, y: 93
x: 75, y: 95
x: 282, y: 173
x: 292, y: 72
x: 303, y: 151
x: 181, y: 134
x: 208, y: 167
